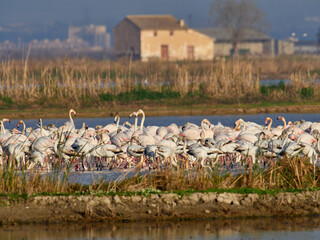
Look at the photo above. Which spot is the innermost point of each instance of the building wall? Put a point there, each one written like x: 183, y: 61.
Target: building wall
x: 252, y: 48
x: 284, y: 47
x: 177, y: 43
x: 269, y: 47
x: 126, y: 39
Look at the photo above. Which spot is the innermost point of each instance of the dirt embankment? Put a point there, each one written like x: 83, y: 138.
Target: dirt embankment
x: 151, y: 110
x: 50, y: 209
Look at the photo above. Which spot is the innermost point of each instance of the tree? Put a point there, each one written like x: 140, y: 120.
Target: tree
x: 237, y: 16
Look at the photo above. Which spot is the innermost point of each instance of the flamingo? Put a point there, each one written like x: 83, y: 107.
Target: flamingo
x: 190, y: 132
x: 69, y: 126
x: 3, y: 130
x: 206, y: 132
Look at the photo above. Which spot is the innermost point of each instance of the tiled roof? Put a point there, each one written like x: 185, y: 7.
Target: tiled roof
x: 223, y: 35
x: 163, y: 22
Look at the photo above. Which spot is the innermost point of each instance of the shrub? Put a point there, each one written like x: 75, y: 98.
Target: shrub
x: 307, y: 92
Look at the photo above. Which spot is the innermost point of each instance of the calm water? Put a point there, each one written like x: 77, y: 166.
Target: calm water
x: 265, y: 228
x: 227, y: 120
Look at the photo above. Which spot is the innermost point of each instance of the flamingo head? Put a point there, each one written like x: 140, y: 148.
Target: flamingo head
x: 98, y: 127
x: 15, y: 131
x: 207, y: 122
x: 140, y: 111
x: 279, y: 118
x: 19, y: 123
x: 237, y: 123
x: 73, y: 111
x: 267, y: 120
x: 6, y: 120
x: 133, y: 114
x: 116, y: 118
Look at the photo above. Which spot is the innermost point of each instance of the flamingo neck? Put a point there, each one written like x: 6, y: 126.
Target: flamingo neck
x: 117, y: 120
x: 185, y: 146
x: 202, y: 127
x: 269, y: 125
x: 41, y: 131
x: 284, y: 123
x: 142, y: 121
x: 136, y: 123
x: 2, y: 127
x: 101, y: 137
x: 70, y: 116
x: 24, y: 127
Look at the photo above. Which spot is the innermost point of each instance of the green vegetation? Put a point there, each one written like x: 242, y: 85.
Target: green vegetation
x: 285, y: 175
x: 139, y: 93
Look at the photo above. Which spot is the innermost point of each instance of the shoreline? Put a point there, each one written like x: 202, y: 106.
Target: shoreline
x: 203, y: 109
x: 156, y: 207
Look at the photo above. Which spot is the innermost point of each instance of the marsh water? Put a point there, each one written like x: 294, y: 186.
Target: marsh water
x: 226, y: 120
x: 260, y: 228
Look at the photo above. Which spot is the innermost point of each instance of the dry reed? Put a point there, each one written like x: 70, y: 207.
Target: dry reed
x: 81, y: 82
x: 285, y: 174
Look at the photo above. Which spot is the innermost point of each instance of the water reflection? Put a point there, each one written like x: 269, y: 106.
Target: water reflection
x: 265, y: 228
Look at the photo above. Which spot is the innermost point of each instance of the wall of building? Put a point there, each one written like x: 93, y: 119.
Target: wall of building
x: 177, y: 43
x: 284, y: 47
x: 126, y: 39
x: 252, y: 48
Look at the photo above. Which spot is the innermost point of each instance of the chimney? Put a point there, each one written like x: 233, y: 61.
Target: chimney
x: 181, y: 23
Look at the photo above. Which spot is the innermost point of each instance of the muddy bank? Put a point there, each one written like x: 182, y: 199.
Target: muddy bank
x: 155, y: 110
x: 50, y: 209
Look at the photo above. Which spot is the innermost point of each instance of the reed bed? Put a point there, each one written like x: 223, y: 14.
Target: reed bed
x: 13, y: 182
x: 287, y: 174
x: 86, y: 82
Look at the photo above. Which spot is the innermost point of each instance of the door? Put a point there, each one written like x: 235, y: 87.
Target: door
x: 190, y: 53
x: 164, y: 52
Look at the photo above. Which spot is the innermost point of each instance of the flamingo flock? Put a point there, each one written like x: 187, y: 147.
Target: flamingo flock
x: 129, y: 145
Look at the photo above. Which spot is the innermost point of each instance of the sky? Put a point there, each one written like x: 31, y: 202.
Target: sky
x: 285, y: 16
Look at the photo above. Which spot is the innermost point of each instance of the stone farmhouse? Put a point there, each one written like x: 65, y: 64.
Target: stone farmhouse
x: 147, y: 37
